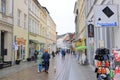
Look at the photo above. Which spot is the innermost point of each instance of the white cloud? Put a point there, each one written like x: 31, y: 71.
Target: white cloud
x: 62, y: 13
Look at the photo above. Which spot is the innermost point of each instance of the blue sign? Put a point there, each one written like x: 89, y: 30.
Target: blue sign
x: 108, y: 24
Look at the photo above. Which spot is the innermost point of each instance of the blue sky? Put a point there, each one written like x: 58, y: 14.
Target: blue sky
x: 62, y: 13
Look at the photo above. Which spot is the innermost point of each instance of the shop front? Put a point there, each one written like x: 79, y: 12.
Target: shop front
x: 21, y: 51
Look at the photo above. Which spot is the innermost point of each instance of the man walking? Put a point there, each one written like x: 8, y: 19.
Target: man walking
x: 46, y: 58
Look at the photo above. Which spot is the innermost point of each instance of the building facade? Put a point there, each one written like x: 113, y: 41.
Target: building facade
x: 34, y: 26
x: 20, y: 37
x: 25, y: 26
x: 51, y: 34
x: 41, y: 28
x: 6, y: 29
x: 80, y: 23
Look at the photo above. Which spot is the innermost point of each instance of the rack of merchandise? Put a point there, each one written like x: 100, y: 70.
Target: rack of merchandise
x: 116, y: 54
x: 102, y: 62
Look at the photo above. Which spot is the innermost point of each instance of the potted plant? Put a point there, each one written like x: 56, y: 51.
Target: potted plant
x: 17, y: 61
x: 1, y: 62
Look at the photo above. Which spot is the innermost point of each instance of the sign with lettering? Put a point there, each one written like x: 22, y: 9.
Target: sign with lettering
x: 106, y: 16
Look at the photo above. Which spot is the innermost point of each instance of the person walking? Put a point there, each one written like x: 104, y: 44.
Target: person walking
x: 39, y: 61
x: 63, y: 53
x: 83, y: 57
x: 46, y: 57
x: 35, y: 55
x: 53, y: 54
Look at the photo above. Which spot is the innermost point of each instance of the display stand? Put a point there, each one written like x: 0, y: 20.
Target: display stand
x: 102, y: 62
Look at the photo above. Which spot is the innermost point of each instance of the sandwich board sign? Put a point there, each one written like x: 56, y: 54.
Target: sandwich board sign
x: 106, y: 15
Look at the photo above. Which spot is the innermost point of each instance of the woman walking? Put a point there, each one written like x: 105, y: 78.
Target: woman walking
x: 39, y: 61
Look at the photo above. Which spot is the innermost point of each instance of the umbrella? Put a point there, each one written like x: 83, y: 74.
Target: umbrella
x: 81, y: 47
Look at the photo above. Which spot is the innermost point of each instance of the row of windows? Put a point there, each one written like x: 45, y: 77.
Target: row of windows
x: 90, y: 3
x: 33, y: 7
x: 34, y: 26
x: 19, y: 19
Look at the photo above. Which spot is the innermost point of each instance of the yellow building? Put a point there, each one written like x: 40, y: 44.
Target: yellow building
x: 40, y: 27
x: 43, y: 24
x: 34, y: 26
x: 6, y: 29
x: 48, y: 30
x: 20, y: 29
x: 51, y: 34
x: 81, y: 20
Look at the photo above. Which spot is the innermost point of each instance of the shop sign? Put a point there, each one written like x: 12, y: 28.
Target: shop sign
x: 15, y: 46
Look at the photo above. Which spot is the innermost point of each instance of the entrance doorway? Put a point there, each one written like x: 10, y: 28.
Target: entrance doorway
x: 2, y: 44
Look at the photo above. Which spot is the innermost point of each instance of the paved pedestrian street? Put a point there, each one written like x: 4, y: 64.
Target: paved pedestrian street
x: 61, y: 68
x: 29, y: 73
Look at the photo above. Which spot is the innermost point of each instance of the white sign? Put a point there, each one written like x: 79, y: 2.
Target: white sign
x: 15, y: 46
x: 106, y: 15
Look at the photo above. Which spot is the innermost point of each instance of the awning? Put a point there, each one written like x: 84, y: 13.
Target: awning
x: 34, y: 41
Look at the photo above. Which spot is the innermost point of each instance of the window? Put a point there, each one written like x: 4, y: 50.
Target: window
x: 29, y: 4
x: 25, y: 1
x: 25, y: 17
x: 18, y: 19
x: 3, y: 6
x: 32, y: 27
x: 29, y: 24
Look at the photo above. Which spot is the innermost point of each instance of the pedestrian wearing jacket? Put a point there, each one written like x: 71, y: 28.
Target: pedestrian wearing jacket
x: 46, y: 57
x: 39, y: 61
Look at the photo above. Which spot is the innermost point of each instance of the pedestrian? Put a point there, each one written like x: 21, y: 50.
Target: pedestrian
x: 83, y: 57
x: 35, y: 55
x: 46, y: 57
x: 53, y: 54
x: 63, y: 53
x: 39, y: 61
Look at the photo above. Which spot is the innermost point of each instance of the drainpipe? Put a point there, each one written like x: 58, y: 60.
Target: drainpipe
x: 13, y: 54
x: 28, y: 31
x: 111, y: 35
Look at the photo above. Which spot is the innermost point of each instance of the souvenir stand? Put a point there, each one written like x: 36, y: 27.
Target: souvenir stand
x: 102, y: 62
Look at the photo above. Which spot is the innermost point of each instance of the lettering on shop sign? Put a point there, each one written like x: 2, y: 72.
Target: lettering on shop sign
x: 107, y: 24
